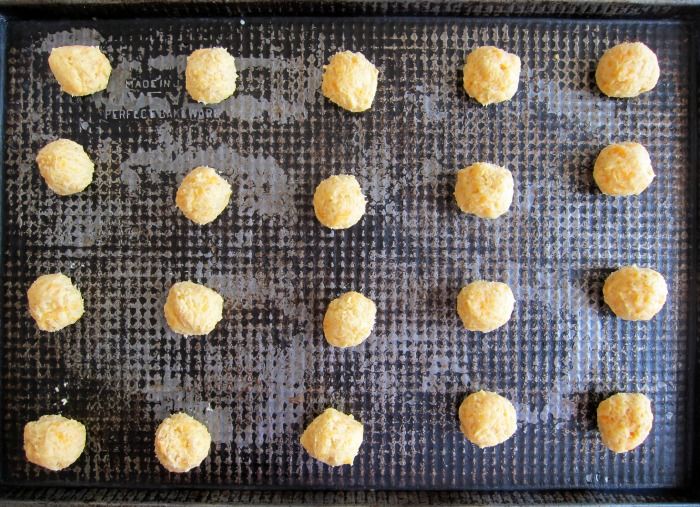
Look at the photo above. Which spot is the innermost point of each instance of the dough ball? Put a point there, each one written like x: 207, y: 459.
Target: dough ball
x: 193, y: 309
x: 635, y: 293
x: 203, y: 195
x: 350, y: 80
x: 65, y: 166
x: 349, y: 320
x: 54, y: 302
x: 627, y: 70
x: 80, y: 70
x: 485, y: 306
x: 484, y: 190
x: 54, y: 442
x: 211, y: 75
x: 623, y: 169
x: 491, y: 75
x: 624, y: 421
x: 182, y: 443
x: 487, y: 419
x: 338, y: 202
x: 333, y: 438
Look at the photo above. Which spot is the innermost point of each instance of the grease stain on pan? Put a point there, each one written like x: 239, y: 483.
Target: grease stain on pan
x: 169, y: 397
x: 261, y: 185
x: 75, y: 36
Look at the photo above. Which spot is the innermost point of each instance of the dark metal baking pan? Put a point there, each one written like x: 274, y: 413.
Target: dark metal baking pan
x: 266, y: 371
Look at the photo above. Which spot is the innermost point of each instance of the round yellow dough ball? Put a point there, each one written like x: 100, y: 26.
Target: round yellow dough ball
x: 203, y: 195
x: 54, y: 442
x: 80, y: 70
x: 487, y: 419
x: 193, y: 309
x: 485, y: 306
x: 624, y: 421
x: 350, y: 80
x: 627, y: 70
x: 484, y: 190
x: 210, y: 76
x: 491, y: 75
x: 54, y: 302
x: 339, y: 202
x: 634, y: 293
x: 65, y: 166
x: 349, y: 320
x: 623, y: 169
x: 182, y: 443
x: 333, y: 438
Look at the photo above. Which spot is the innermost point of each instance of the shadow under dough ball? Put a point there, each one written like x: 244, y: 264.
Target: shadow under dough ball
x: 333, y: 438
x: 80, y: 70
x: 54, y: 442
x: 350, y: 81
x: 627, y: 70
x: 65, y: 167
x: 210, y: 75
x: 625, y: 420
x: 181, y: 443
x: 491, y: 75
x: 635, y: 293
x: 487, y: 419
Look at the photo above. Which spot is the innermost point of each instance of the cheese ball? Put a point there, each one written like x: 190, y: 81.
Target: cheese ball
x: 634, y: 293
x: 193, y: 309
x: 54, y: 442
x: 210, y: 76
x: 333, y: 438
x: 623, y: 169
x: 349, y: 320
x: 487, y: 419
x: 339, y: 202
x: 80, y: 70
x: 491, y: 75
x: 350, y: 81
x: 484, y: 190
x: 627, y: 70
x: 485, y: 306
x: 624, y: 421
x: 182, y: 443
x: 203, y: 195
x: 54, y: 302
x: 65, y: 166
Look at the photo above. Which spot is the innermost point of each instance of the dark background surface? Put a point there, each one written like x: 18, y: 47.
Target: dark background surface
x: 266, y: 371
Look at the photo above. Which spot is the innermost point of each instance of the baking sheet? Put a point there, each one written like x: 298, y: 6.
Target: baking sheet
x: 266, y: 371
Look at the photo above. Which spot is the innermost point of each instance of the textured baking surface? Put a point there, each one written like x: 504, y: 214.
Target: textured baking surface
x: 266, y: 371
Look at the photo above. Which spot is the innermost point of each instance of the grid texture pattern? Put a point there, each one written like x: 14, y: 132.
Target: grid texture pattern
x: 266, y: 371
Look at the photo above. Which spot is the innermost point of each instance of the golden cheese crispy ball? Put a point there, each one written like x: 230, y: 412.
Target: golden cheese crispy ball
x: 65, y: 166
x: 350, y: 80
x: 339, y: 202
x: 210, y: 76
x: 624, y: 421
x: 627, y: 70
x: 485, y: 306
x: 487, y: 419
x: 623, y: 169
x: 484, y: 190
x: 54, y: 302
x: 491, y: 75
x: 54, y: 442
x: 203, y: 195
x: 634, y: 293
x: 333, y: 438
x: 182, y: 443
x: 349, y: 320
x: 80, y: 70
x: 193, y: 309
